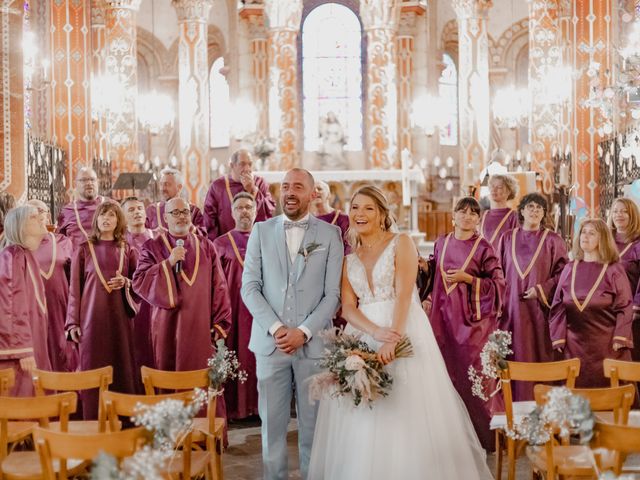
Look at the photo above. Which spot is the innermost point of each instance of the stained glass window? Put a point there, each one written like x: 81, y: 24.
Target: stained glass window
x: 220, y: 113
x: 448, y: 90
x: 332, y: 74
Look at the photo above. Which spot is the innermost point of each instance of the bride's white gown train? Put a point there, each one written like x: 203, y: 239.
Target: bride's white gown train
x: 421, y: 430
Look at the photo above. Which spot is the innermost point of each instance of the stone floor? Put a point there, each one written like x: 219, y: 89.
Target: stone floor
x: 242, y: 460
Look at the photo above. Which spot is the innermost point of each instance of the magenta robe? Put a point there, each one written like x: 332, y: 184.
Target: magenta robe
x: 341, y: 220
x: 606, y: 318
x: 68, y: 224
x: 142, y: 320
x: 495, y: 222
x: 155, y: 218
x: 630, y: 259
x: 528, y: 320
x: 463, y: 318
x: 217, y: 205
x: 241, y: 398
x: 105, y: 318
x: 23, y: 316
x: 54, y: 258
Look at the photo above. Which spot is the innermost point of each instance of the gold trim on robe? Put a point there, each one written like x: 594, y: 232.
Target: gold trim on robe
x: 189, y: 281
x: 221, y: 331
x: 542, y: 296
x: 97, y: 265
x: 235, y: 249
x: 168, y: 279
x: 16, y: 351
x: 582, y: 306
x: 451, y: 288
x: 54, y: 253
x: 535, y: 255
x: 498, y: 228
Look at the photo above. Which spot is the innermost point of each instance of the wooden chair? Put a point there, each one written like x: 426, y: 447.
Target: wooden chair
x: 100, y: 378
x: 7, y: 380
x: 565, y: 370
x: 211, y: 426
x: 578, y: 460
x: 125, y: 405
x: 619, y: 370
x: 59, y: 448
x: 620, y: 439
x: 25, y: 465
x: 16, y: 431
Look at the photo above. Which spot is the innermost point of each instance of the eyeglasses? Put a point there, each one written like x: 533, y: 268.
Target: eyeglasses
x: 533, y: 206
x: 180, y: 213
x: 247, y: 208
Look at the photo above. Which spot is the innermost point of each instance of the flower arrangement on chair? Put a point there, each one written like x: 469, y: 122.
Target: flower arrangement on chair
x: 494, y: 359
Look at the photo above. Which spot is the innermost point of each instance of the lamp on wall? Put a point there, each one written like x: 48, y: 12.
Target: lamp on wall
x: 511, y: 107
x: 429, y: 113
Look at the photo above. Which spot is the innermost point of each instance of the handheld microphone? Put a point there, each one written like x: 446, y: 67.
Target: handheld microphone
x: 178, y: 266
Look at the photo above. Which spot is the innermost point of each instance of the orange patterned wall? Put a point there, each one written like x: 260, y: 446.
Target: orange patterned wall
x: 405, y: 90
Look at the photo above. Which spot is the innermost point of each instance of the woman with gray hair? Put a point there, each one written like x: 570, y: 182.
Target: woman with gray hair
x: 500, y: 217
x: 23, y: 306
x: 7, y: 202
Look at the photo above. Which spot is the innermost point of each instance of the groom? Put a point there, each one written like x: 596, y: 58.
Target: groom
x: 291, y: 286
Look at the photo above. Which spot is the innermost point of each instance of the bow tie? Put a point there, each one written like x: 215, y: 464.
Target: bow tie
x: 289, y: 224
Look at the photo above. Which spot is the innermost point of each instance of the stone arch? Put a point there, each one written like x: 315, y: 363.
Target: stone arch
x: 216, y: 47
x: 153, y: 56
x: 449, y: 39
x: 504, y: 51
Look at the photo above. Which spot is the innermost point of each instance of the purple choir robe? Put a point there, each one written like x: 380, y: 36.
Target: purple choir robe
x: 540, y: 257
x: 54, y: 258
x: 217, y: 205
x: 462, y: 317
x: 142, y: 320
x: 630, y: 259
x: 341, y: 220
x: 104, y: 316
x: 495, y: 222
x: 74, y: 220
x: 586, y: 325
x: 241, y: 398
x: 23, y: 316
x: 155, y: 218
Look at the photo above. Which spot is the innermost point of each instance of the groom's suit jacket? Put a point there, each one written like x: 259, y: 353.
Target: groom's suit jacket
x: 305, y: 292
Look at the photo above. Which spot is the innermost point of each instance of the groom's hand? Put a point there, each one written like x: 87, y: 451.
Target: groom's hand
x: 288, y: 340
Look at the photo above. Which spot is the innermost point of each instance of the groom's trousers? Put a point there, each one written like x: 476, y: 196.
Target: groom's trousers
x: 277, y: 373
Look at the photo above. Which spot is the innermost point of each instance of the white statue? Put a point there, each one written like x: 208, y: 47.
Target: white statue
x: 332, y: 142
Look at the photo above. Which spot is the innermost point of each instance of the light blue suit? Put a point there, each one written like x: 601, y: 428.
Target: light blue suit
x: 303, y: 293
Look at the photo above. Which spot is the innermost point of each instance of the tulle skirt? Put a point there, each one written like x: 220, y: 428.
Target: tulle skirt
x: 420, y: 431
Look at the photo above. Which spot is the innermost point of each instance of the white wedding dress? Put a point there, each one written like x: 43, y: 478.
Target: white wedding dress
x: 422, y: 430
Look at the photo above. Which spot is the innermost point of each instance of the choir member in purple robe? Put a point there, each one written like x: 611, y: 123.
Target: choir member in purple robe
x: 591, y: 313
x: 624, y: 221
x: 188, y: 293
x: 241, y: 398
x: 137, y: 234
x: 23, y: 306
x: 468, y: 288
x: 217, y: 206
x: 500, y: 217
x: 75, y: 219
x: 101, y: 304
x: 532, y: 258
x: 54, y: 258
x: 322, y: 210
x: 171, y: 184
x: 7, y: 202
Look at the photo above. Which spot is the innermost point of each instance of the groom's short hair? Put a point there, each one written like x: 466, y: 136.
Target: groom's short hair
x: 310, y: 179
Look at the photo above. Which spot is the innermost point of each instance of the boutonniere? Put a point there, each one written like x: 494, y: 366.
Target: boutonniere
x: 308, y: 249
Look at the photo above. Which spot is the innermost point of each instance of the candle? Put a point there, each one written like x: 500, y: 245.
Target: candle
x: 563, y: 177
x: 405, y: 158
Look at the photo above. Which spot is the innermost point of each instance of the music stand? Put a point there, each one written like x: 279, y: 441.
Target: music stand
x: 132, y: 181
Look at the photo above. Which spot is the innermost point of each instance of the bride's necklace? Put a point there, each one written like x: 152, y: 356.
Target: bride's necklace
x: 374, y: 243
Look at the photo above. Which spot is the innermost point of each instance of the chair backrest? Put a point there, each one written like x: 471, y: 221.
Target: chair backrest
x: 612, y: 399
x: 7, y: 380
x: 177, y: 381
x: 617, y: 370
x: 72, y: 381
x: 566, y: 370
x: 35, y: 408
x: 622, y: 439
x: 52, y: 445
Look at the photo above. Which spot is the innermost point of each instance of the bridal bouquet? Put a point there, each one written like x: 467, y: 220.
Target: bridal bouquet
x: 352, y: 368
x: 494, y: 359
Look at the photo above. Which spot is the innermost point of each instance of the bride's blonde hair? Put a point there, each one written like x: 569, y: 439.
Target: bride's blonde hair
x: 375, y: 194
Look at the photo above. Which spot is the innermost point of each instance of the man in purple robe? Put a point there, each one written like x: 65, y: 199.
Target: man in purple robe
x: 74, y: 220
x: 500, y: 217
x: 171, y: 184
x: 322, y: 210
x: 54, y: 257
x: 217, y: 206
x: 179, y: 274
x: 137, y: 234
x: 241, y: 398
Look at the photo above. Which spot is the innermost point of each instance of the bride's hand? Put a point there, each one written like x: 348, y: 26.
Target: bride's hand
x: 387, y: 352
x: 386, y: 334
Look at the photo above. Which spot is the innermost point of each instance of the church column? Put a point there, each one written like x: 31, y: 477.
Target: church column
x: 284, y: 111
x: 591, y: 44
x: 564, y: 19
x: 193, y: 95
x: 70, y: 67
x: 121, y: 65
x: 99, y: 120
x: 41, y: 95
x: 545, y: 58
x: 253, y: 14
x: 473, y: 88
x: 13, y: 177
x: 380, y: 20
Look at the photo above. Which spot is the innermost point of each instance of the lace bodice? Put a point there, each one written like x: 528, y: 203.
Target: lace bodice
x: 383, y: 276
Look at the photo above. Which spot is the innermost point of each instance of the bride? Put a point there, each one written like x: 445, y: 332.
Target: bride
x: 422, y: 429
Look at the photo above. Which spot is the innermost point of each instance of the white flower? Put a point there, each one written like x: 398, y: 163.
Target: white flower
x: 354, y: 362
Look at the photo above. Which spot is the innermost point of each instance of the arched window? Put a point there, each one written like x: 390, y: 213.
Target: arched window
x: 220, y: 113
x: 448, y: 90
x: 332, y: 74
